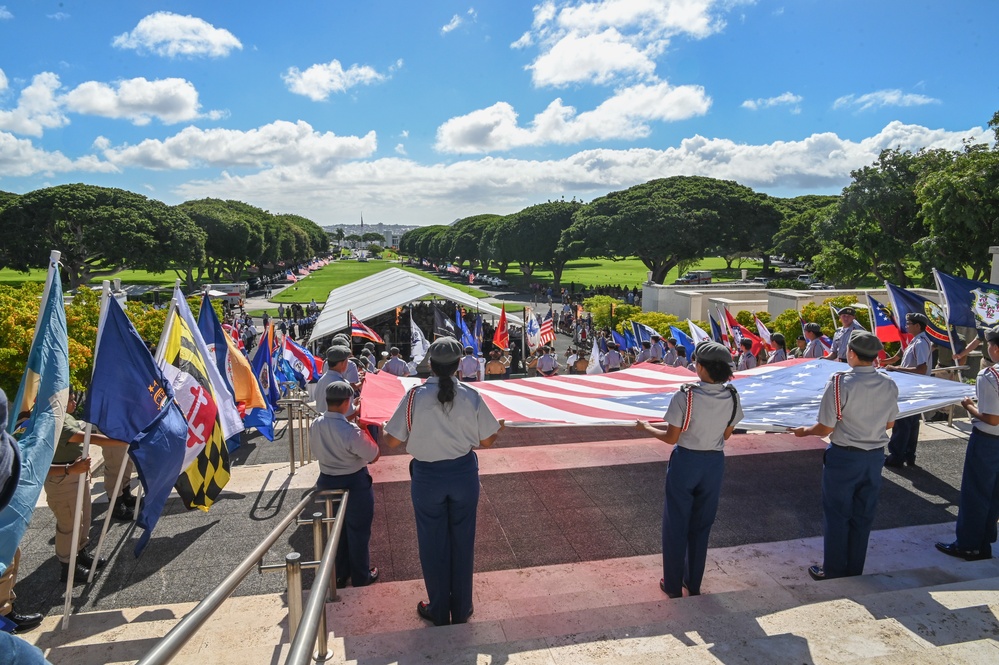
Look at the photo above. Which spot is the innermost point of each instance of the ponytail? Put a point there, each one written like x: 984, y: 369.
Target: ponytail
x: 445, y: 389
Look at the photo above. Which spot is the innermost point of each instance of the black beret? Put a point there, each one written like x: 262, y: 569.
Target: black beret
x: 813, y: 328
x: 672, y: 340
x: 865, y: 343
x: 992, y: 335
x: 918, y: 317
x: 369, y: 345
x: 336, y: 354
x: 712, y: 352
x: 848, y: 310
x: 339, y: 390
x: 445, y: 350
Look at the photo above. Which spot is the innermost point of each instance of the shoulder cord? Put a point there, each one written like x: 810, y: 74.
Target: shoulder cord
x: 686, y: 390
x: 836, y: 390
x: 409, y: 408
x: 995, y: 373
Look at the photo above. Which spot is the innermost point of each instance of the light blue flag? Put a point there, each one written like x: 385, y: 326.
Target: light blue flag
x: 44, y: 386
x: 683, y: 339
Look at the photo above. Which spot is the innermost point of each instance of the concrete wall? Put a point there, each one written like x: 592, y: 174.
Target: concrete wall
x: 694, y: 302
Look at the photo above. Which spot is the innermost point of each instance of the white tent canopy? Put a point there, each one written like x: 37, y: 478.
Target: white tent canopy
x: 383, y: 292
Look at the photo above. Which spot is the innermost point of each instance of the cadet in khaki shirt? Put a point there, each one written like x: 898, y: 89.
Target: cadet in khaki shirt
x: 857, y: 408
x: 979, y: 506
x: 700, y: 418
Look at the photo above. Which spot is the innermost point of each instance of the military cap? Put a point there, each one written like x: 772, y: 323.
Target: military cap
x: 336, y: 354
x: 813, y: 328
x: 672, y: 340
x: 848, y: 310
x: 918, y: 317
x: 992, y: 335
x: 708, y: 352
x: 339, y: 390
x: 866, y: 344
x: 445, y: 350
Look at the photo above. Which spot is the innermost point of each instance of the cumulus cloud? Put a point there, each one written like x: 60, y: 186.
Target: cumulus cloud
x: 38, y: 107
x: 279, y: 143
x: 882, y: 98
x: 437, y: 193
x: 604, y: 40
x: 171, y: 35
x: 400, y: 149
x: 170, y: 100
x: 5, y: 14
x: 451, y: 25
x: 786, y: 99
x: 625, y: 115
x: 20, y: 157
x: 318, y: 82
x: 3, y: 81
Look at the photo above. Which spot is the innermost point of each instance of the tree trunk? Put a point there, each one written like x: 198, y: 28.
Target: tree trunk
x: 557, y: 269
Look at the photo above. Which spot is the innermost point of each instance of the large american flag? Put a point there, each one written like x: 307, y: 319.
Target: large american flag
x: 547, y: 329
x: 773, y: 396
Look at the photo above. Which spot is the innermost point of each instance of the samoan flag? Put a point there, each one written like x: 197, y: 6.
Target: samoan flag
x: 970, y: 303
x: 684, y: 340
x: 44, y: 386
x: 884, y: 327
x: 904, y: 301
x: 130, y: 400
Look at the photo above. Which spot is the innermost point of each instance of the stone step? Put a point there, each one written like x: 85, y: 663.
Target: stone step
x: 745, y: 588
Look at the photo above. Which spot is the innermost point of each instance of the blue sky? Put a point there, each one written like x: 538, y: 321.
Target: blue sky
x: 425, y: 112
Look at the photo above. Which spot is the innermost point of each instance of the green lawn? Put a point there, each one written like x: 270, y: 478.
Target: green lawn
x: 8, y: 276
x: 319, y: 284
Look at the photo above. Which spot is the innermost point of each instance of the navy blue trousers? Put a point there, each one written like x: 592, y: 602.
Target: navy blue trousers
x: 851, y: 481
x: 979, y: 507
x: 904, y: 437
x: 445, y: 500
x: 693, y: 485
x: 352, y: 559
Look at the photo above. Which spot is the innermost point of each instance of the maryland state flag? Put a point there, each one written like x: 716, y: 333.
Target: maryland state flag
x: 206, y: 461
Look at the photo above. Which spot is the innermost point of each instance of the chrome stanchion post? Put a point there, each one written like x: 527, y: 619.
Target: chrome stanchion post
x: 322, y: 652
x: 291, y: 437
x: 293, y: 564
x: 302, y: 428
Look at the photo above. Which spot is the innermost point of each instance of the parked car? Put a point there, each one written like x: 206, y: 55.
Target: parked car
x: 806, y: 279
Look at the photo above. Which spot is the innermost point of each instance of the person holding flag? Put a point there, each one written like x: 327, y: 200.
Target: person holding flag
x: 916, y: 359
x: 813, y: 335
x: 779, y: 354
x: 978, y: 509
x: 848, y: 319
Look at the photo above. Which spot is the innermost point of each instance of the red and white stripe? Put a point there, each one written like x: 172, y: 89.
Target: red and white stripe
x: 547, y: 330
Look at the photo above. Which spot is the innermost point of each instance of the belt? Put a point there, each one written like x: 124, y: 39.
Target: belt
x: 854, y: 449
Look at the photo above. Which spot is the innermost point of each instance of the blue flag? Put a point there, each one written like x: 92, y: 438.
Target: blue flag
x: 716, y: 334
x: 629, y: 340
x: 45, y: 387
x: 263, y: 369
x: 684, y: 340
x: 903, y: 302
x: 621, y: 341
x: 467, y: 339
x: 969, y: 303
x: 643, y: 333
x: 130, y: 400
x: 478, y: 330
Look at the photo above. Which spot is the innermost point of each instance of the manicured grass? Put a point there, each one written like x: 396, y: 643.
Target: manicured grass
x: 626, y: 272
x: 8, y: 276
x: 319, y: 284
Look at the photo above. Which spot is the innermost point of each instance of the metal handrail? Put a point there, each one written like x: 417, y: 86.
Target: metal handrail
x: 314, y: 614
x: 167, y: 648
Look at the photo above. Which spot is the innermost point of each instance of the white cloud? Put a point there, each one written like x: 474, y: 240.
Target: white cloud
x: 400, y: 149
x: 279, y: 143
x: 3, y: 81
x: 786, y: 99
x: 623, y: 116
x: 318, y: 82
x: 404, y: 134
x: 58, y: 16
x: 38, y: 107
x: 172, y: 35
x: 451, y: 25
x: 882, y: 98
x: 604, y: 40
x: 170, y: 100
x: 5, y: 14
x: 406, y: 192
x: 19, y: 157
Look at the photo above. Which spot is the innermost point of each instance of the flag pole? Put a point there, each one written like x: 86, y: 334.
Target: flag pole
x: 105, y: 303
x: 946, y: 309
x: 74, y: 545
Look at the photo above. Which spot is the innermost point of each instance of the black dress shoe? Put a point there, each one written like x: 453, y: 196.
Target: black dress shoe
x: 24, y: 622
x: 341, y: 583
x: 968, y: 555
x: 84, y: 558
x: 423, y: 609
x: 817, y: 573
x: 122, y: 511
x: 79, y: 577
x: 372, y: 577
x: 893, y: 463
x: 662, y: 586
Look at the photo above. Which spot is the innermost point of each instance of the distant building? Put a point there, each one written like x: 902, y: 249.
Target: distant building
x: 392, y: 238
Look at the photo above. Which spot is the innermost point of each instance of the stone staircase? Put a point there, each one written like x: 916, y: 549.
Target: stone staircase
x: 759, y: 606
